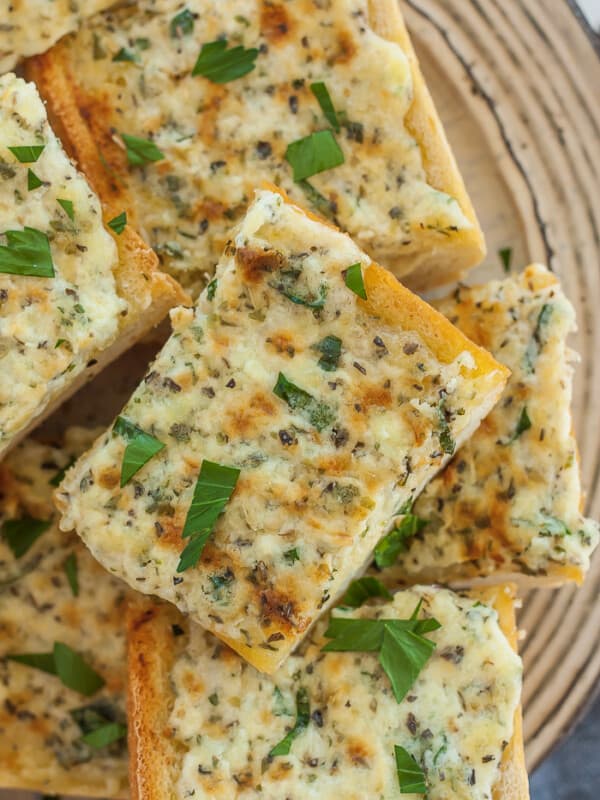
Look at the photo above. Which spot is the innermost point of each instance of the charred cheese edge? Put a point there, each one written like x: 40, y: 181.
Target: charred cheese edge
x: 399, y: 193
x: 30, y: 27
x: 510, y: 502
x: 56, y: 333
x: 318, y: 485
x: 203, y: 721
x: 40, y: 747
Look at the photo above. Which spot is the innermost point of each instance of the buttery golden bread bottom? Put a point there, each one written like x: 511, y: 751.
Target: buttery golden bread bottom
x: 203, y: 723
x: 406, y: 206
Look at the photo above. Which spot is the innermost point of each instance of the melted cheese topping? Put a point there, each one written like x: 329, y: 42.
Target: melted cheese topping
x: 509, y: 500
x: 30, y: 27
x: 221, y: 142
x: 455, y: 721
x: 39, y: 741
x: 310, y: 504
x: 49, y: 327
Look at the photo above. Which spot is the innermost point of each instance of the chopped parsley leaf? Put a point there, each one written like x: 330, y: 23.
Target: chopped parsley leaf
x: 65, y: 662
x: 505, y: 256
x: 28, y: 154
x: 70, y: 567
x: 27, y: 252
x: 213, y: 490
x: 33, y: 182
x: 319, y: 414
x: 354, y: 280
x: 67, y: 207
x: 393, y: 543
x: 118, y: 223
x: 221, y: 65
x: 140, y: 151
x: 331, y: 349
x: 302, y: 721
x: 321, y: 92
x: 21, y: 534
x: 141, y: 447
x: 410, y: 775
x: 362, y: 589
x: 403, y: 650
x: 313, y: 154
x: 182, y: 24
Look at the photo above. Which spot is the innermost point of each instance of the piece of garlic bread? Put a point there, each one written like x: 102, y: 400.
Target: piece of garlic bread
x: 72, y: 296
x: 510, y: 502
x: 286, y: 420
x: 325, y: 99
x: 205, y: 724
x: 53, y: 591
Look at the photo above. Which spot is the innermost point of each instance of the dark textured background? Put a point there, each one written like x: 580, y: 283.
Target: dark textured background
x: 572, y: 771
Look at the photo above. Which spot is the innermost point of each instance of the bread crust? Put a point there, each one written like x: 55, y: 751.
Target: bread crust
x: 82, y: 130
x: 154, y: 760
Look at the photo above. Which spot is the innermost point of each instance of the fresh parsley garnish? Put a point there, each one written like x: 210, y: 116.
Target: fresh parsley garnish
x: 331, y: 349
x: 221, y: 65
x: 410, y: 775
x: 67, y: 664
x: 212, y: 492
x: 393, y: 543
x: 118, y: 223
x: 403, y: 650
x: 505, y: 256
x: 21, y: 534
x: 27, y: 252
x: 71, y: 571
x: 302, y: 721
x: 291, y: 556
x: 321, y: 92
x: 537, y: 340
x: 141, y: 447
x: 33, y: 182
x: 287, y: 285
x: 28, y: 154
x: 319, y: 201
x: 67, y: 207
x: 57, y: 479
x: 98, y: 724
x: 105, y: 735
x: 125, y: 55
x: 447, y: 442
x: 211, y: 289
x: 313, y: 154
x: 523, y: 424
x: 318, y: 414
x: 362, y: 589
x: 182, y: 24
x: 354, y: 280
x: 140, y: 151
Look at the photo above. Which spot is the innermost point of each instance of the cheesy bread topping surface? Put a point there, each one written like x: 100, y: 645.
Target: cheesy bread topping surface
x: 40, y: 740
x: 335, y: 410
x: 133, y: 69
x: 50, y: 327
x: 455, y: 721
x: 30, y: 27
x: 511, y: 499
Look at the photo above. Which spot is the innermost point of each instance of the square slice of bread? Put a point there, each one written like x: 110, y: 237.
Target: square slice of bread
x: 203, y: 722
x: 40, y: 741
x: 59, y: 330
x: 399, y: 193
x: 510, y: 502
x: 336, y: 410
x: 30, y: 27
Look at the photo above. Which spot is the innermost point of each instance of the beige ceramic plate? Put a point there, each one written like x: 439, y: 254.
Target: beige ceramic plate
x: 517, y: 84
